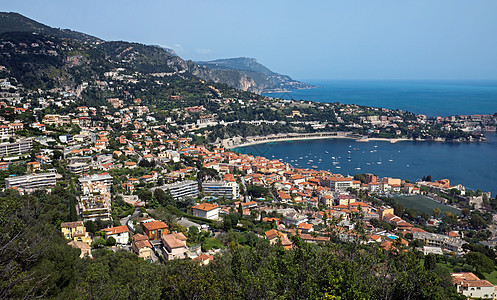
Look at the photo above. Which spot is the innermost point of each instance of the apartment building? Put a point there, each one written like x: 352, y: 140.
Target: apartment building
x: 219, y: 189
x: 16, y: 148
x: 181, y: 189
x: 32, y: 181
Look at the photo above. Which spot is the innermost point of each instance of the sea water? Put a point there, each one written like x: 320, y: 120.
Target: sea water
x: 473, y: 165
x: 431, y: 98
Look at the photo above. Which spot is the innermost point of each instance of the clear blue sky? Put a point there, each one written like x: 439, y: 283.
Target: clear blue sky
x: 368, y: 39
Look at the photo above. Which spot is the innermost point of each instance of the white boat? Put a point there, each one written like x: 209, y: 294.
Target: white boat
x: 338, y: 167
x: 379, y: 162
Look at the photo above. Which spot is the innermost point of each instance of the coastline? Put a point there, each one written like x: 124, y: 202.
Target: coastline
x: 256, y: 140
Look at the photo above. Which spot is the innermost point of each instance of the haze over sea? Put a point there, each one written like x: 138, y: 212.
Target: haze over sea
x: 473, y: 165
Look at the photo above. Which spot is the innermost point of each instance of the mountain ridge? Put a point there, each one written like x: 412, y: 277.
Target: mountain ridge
x: 241, y: 73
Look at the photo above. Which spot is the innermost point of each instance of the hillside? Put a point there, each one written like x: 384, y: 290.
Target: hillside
x: 14, y: 22
x: 263, y: 78
x: 54, y: 64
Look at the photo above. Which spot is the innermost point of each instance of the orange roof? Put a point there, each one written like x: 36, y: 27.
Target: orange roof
x: 203, y: 257
x: 305, y: 226
x: 205, y: 206
x: 154, y: 225
x: 116, y: 230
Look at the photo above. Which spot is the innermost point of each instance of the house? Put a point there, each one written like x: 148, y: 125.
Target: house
x: 75, y: 231
x: 174, y: 246
x: 305, y: 227
x: 206, y: 210
x: 154, y: 230
x: 470, y: 285
x: 84, y: 247
x: 273, y: 236
x: 119, y: 233
x: 204, y: 259
x: 141, y: 246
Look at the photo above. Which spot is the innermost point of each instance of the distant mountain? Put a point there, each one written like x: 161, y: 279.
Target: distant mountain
x: 264, y: 79
x: 14, y: 22
x: 241, y: 73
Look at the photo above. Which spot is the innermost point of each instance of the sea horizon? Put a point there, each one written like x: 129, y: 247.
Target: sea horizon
x: 429, y: 97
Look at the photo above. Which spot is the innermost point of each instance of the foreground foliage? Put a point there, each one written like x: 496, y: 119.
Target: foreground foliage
x: 36, y: 262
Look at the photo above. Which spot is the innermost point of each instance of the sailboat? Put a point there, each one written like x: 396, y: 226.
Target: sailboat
x: 391, y: 158
x: 379, y: 161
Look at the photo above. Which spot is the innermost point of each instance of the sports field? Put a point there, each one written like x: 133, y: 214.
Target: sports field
x: 424, y: 204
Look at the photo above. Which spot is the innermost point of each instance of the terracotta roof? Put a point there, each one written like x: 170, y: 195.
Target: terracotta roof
x: 172, y: 241
x: 116, y: 230
x: 203, y: 257
x: 154, y: 225
x: 71, y: 224
x: 142, y: 244
x: 139, y: 237
x: 205, y: 206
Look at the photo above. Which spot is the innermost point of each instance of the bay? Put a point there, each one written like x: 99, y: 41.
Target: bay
x: 473, y: 165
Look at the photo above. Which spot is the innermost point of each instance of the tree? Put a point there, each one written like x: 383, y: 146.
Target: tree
x: 436, y: 212
x: 480, y: 262
x: 465, y: 211
x: 398, y: 209
x: 430, y: 261
x: 91, y: 226
x: 477, y: 221
x: 110, y: 241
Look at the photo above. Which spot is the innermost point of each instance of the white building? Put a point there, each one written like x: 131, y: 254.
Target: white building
x: 206, y: 210
x: 181, y: 189
x: 470, y: 285
x: 119, y: 233
x: 32, y: 181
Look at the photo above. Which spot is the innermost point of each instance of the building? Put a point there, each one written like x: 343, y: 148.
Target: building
x: 337, y: 183
x: 32, y: 181
x: 141, y: 246
x: 219, y: 189
x: 181, y: 189
x: 119, y: 233
x: 95, y: 207
x: 84, y: 247
x: 103, y: 178
x: 16, y: 148
x: 470, y: 285
x: 206, y: 210
x: 174, y: 246
x: 273, y: 236
x: 75, y: 231
x: 439, y: 240
x: 154, y: 230
x: 78, y: 167
x: 4, y: 166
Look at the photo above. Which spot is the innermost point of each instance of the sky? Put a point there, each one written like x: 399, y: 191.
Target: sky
x: 349, y: 39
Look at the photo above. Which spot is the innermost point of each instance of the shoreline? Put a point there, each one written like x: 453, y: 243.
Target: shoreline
x: 326, y: 136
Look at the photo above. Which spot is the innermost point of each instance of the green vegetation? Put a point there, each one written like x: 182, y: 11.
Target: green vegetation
x: 425, y: 205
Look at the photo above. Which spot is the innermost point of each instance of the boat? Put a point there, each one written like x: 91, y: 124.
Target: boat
x: 326, y: 152
x: 314, y: 167
x: 368, y: 164
x: 338, y: 167
x: 379, y: 162
x: 356, y: 149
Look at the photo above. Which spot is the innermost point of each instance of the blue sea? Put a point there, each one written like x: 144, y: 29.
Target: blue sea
x: 473, y: 165
x: 431, y: 98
